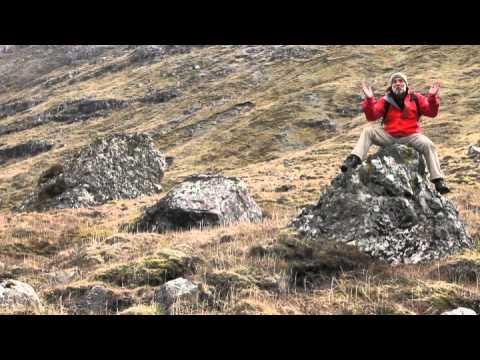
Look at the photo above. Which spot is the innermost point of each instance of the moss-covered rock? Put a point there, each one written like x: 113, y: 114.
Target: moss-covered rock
x: 465, y: 269
x: 226, y: 282
x: 90, y: 298
x: 307, y: 260
x: 166, y: 265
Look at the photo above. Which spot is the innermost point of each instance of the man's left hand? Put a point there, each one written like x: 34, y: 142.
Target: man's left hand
x: 434, y: 89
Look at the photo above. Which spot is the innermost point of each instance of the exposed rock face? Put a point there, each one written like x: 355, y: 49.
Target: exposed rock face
x: 15, y: 107
x: 159, y: 96
x: 112, y: 168
x: 148, y: 52
x: 324, y: 124
x: 68, y: 112
x: 30, y: 148
x: 201, y: 200
x: 388, y: 208
x: 18, y: 295
x: 286, y: 52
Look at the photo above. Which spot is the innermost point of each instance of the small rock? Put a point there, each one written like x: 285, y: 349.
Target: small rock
x: 226, y: 239
x: 174, y: 290
x: 115, y: 239
x: 15, y: 294
x: 473, y: 151
x: 285, y: 188
x: 460, y: 311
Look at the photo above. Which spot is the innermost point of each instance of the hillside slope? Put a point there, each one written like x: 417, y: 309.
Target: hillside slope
x: 281, y: 118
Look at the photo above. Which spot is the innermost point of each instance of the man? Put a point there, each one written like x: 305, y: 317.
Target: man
x: 400, y: 109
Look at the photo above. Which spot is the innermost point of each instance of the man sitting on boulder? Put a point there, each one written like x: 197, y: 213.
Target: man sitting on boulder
x: 400, y: 109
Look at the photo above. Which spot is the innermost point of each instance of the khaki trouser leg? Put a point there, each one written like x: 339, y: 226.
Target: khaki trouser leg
x: 372, y: 135
x: 426, y: 147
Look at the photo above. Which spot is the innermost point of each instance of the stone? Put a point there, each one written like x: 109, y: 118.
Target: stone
x: 324, y: 124
x: 199, y: 201
x: 388, y: 208
x: 460, y: 311
x: 112, y: 168
x: 17, y: 295
x: 473, y: 151
x: 178, y: 289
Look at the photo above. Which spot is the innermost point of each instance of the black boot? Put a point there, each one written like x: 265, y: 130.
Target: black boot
x: 352, y: 162
x: 441, y: 187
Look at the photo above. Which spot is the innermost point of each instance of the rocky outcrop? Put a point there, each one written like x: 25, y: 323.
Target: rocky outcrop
x: 147, y: 53
x: 16, y: 107
x: 324, y: 124
x: 159, y: 96
x: 18, y: 296
x: 288, y: 52
x: 112, y: 168
x: 388, y: 209
x: 68, y: 112
x: 30, y: 148
x: 201, y: 200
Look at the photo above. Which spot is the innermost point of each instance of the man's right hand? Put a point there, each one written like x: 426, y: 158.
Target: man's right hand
x: 367, y: 90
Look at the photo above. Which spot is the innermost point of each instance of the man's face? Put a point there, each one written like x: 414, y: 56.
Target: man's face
x: 398, y: 86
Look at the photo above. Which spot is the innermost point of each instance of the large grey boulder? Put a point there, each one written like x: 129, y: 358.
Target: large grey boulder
x: 201, y: 200
x: 16, y: 295
x: 112, y: 168
x: 388, y: 208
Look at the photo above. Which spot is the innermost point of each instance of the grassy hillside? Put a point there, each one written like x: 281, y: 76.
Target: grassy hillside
x: 247, y: 111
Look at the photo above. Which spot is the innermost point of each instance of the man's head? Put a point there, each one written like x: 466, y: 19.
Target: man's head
x: 399, y: 83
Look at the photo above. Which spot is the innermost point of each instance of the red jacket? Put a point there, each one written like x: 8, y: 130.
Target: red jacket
x: 398, y: 123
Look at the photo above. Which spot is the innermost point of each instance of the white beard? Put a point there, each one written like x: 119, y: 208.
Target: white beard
x: 400, y: 91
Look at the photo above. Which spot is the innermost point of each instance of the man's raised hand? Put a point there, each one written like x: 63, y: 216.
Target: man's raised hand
x: 434, y: 89
x: 367, y: 90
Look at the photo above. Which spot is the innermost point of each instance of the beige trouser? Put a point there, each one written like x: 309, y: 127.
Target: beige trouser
x: 376, y: 135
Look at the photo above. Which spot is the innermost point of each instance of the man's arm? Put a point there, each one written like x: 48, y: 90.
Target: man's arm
x: 429, y: 105
x: 373, y: 109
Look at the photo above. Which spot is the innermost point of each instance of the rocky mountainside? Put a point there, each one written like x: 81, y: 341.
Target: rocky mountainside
x: 224, y: 161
